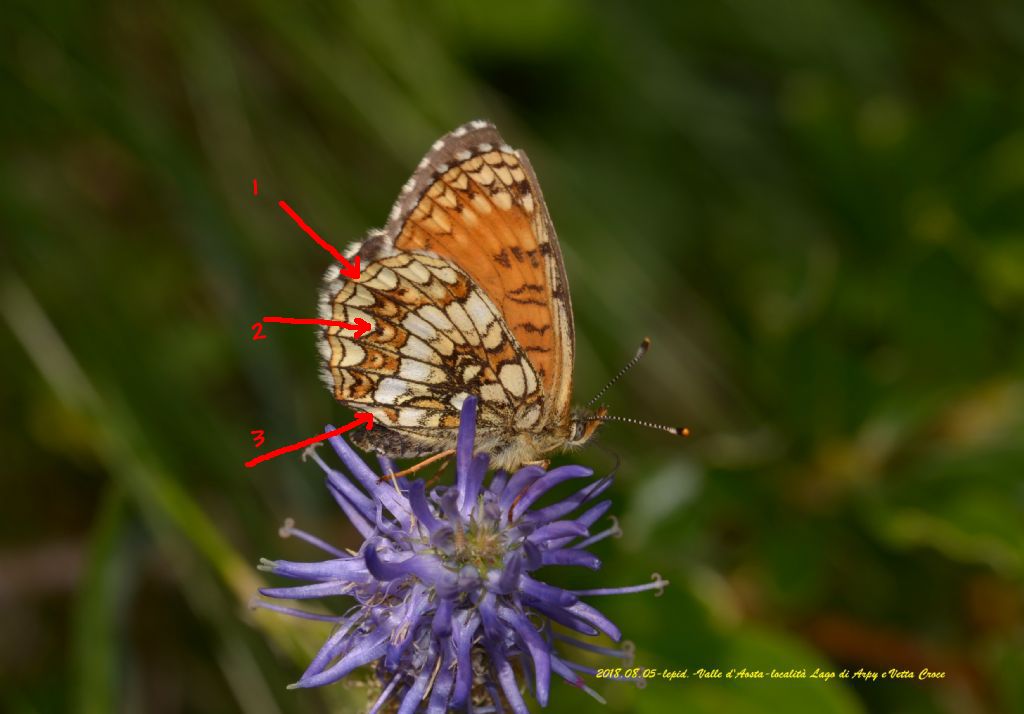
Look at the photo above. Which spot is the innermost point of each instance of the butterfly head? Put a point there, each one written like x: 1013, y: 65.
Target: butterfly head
x: 583, y: 426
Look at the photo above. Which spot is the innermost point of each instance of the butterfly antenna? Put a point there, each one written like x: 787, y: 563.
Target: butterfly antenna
x: 640, y: 352
x: 677, y: 430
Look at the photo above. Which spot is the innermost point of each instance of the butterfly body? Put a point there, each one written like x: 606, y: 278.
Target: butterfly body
x: 467, y: 293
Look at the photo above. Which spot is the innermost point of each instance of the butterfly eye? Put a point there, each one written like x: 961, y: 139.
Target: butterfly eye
x: 577, y: 431
x: 584, y: 426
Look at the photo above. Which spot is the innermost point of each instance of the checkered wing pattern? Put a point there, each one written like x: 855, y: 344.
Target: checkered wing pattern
x: 467, y: 294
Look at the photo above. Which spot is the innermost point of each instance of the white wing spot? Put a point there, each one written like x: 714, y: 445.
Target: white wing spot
x: 502, y: 200
x: 445, y: 274
x: 410, y: 416
x: 415, y: 272
x: 478, y: 312
x: 385, y: 279
x: 389, y: 390
x: 481, y: 204
x: 379, y: 415
x: 433, y: 315
x: 461, y: 320
x: 531, y: 378
x: 492, y: 392
x: 511, y: 377
x: 416, y: 325
x: 349, y: 353
x: 413, y: 370
x: 530, y: 418
x: 492, y: 338
x: 418, y: 349
x: 360, y: 298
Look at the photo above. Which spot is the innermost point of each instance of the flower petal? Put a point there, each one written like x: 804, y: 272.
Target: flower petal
x: 413, y: 697
x: 588, y: 518
x: 464, y: 443
x: 464, y: 633
x: 438, y: 703
x: 361, y: 523
x: 421, y: 507
x: 540, y: 652
x: 365, y: 650
x: 570, y: 556
x: 545, y: 483
x: 350, y: 569
x: 469, y: 488
x: 520, y: 480
x: 558, y: 530
x: 307, y: 592
x: 442, y: 622
x: 382, y: 490
x: 425, y: 567
x: 570, y: 504
x: 549, y: 593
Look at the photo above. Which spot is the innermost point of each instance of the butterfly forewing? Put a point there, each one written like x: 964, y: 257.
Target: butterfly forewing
x: 477, y: 201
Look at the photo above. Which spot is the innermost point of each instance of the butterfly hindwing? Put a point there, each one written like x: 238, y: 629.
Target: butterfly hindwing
x: 436, y: 339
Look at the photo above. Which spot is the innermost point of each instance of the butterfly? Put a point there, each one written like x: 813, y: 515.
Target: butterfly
x: 467, y: 292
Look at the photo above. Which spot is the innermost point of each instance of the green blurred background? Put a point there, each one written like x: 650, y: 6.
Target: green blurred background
x: 815, y: 209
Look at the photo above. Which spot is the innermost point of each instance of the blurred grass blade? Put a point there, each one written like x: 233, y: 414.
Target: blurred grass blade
x: 167, y: 509
x: 96, y: 634
x: 116, y: 440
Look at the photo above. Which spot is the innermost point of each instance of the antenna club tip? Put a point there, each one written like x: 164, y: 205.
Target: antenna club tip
x: 683, y: 431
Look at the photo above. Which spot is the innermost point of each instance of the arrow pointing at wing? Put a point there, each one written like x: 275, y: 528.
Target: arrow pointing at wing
x: 349, y: 270
x: 360, y: 325
x: 361, y: 419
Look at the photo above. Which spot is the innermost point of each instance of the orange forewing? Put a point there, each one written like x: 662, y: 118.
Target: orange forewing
x: 484, y: 216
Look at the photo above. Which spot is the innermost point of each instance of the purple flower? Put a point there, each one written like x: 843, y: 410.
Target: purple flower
x: 447, y: 607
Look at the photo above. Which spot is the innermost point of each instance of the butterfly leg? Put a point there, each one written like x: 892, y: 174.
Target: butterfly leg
x: 437, y: 474
x: 416, y: 467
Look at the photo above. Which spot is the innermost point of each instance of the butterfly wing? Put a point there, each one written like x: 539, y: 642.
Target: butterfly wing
x: 466, y: 291
x: 436, y: 339
x: 476, y: 201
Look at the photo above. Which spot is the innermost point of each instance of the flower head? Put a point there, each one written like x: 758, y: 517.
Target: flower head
x: 447, y: 607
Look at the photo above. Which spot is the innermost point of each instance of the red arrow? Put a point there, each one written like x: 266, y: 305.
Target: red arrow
x: 361, y: 418
x: 360, y: 325
x: 349, y: 270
